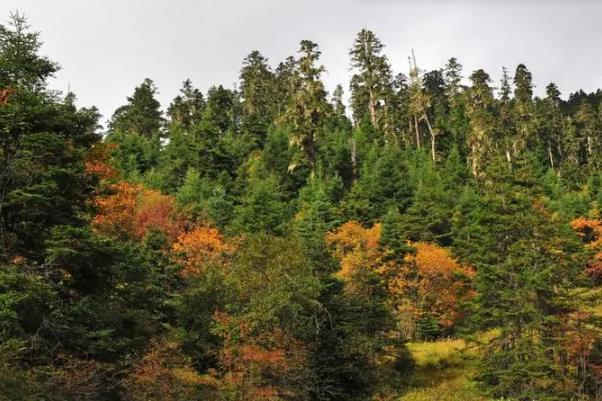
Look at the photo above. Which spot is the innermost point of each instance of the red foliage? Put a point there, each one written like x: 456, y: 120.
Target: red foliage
x: 131, y: 211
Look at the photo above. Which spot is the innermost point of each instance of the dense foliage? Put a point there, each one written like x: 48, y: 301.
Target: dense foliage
x: 258, y: 244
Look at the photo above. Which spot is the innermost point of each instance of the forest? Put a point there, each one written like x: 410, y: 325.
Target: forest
x: 436, y: 237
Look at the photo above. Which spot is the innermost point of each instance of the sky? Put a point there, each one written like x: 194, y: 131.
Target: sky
x: 107, y: 47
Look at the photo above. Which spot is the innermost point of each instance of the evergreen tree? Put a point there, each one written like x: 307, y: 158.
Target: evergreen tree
x: 262, y: 207
x: 142, y: 114
x: 257, y: 89
x: 371, y: 86
x: 523, y: 110
x: 187, y: 108
x: 308, y: 107
x: 457, y: 120
x: 382, y: 185
x: 550, y: 126
x: 42, y: 148
x: 481, y: 112
x: 524, y: 284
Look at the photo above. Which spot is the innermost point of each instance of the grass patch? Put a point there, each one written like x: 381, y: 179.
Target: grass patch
x: 437, y: 354
x: 444, y: 371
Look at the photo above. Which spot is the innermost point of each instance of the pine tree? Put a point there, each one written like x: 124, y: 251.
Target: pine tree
x: 142, y: 114
x: 507, y: 129
x: 42, y: 147
x: 257, y: 89
x: 457, y: 120
x: 308, y: 107
x: 523, y: 110
x: 371, y: 83
x: 382, y: 185
x: 550, y: 126
x: 524, y: 283
x: 481, y: 112
x: 186, y: 109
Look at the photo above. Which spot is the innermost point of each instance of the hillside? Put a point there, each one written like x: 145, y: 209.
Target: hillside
x: 435, y: 238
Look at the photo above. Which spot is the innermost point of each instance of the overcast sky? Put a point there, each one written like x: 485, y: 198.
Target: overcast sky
x: 107, y: 47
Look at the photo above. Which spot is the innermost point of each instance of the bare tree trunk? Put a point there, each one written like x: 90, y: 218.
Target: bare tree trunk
x: 428, y: 124
x: 417, y: 132
x: 589, y: 145
x: 372, y: 108
x: 550, y: 155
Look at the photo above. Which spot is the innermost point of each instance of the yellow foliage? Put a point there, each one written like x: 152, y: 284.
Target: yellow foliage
x: 438, y: 281
x: 199, y: 248
x: 356, y: 248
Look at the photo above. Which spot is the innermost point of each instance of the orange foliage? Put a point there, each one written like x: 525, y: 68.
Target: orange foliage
x: 198, y: 248
x: 356, y: 248
x: 439, y: 283
x: 164, y: 374
x: 5, y: 94
x: 97, y: 161
x: 580, y: 338
x: 590, y: 230
x: 117, y: 212
x: 431, y: 281
x: 266, y: 366
x: 132, y: 210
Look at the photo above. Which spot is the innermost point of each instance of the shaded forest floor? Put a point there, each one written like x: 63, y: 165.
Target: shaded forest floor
x: 444, y: 372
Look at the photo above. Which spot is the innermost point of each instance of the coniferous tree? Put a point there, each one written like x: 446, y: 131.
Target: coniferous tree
x: 523, y: 283
x: 371, y: 84
x: 258, y: 90
x: 481, y: 112
x: 523, y: 110
x: 307, y: 107
x: 142, y: 114
x: 186, y: 109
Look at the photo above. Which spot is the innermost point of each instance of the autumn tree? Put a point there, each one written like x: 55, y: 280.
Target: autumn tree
x: 199, y: 248
x: 590, y: 231
x: 131, y: 211
x: 432, y: 286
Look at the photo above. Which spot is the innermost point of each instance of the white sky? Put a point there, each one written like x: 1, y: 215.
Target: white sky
x: 107, y: 47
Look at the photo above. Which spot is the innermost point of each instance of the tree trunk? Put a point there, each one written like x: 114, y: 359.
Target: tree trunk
x: 372, y: 108
x: 428, y: 124
x: 550, y: 155
x: 417, y: 132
